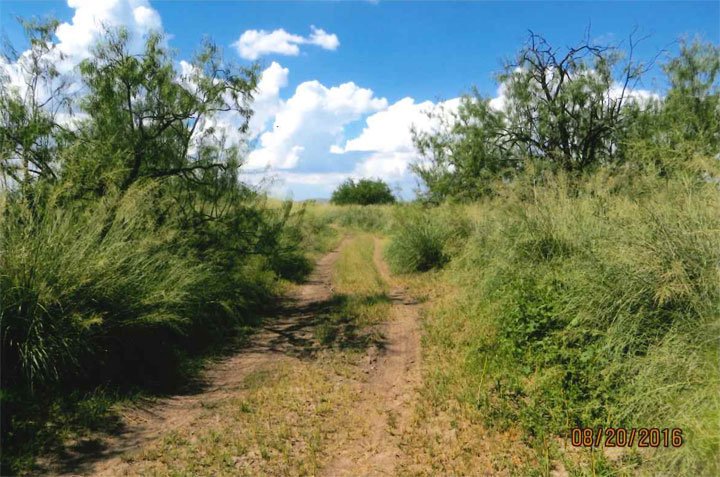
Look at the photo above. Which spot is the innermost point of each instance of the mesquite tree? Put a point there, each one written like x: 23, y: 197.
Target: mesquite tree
x: 562, y: 109
x: 30, y: 107
x: 150, y: 119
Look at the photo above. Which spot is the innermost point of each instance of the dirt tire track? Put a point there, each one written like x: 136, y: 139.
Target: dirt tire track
x: 150, y: 420
x: 386, y: 399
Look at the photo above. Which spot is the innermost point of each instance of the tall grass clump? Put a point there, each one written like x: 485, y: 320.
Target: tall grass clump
x: 425, y: 240
x: 71, y: 277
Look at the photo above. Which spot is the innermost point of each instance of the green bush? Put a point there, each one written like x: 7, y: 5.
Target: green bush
x: 362, y: 192
x: 66, y: 279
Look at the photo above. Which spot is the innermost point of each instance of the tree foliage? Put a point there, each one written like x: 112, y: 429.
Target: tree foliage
x: 571, y: 110
x: 363, y: 192
x: 31, y: 132
x: 124, y: 226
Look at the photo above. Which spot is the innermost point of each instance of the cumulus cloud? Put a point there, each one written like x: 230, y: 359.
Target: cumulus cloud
x: 255, y: 43
x: 77, y: 36
x: 388, y: 137
x: 323, y: 39
x: 389, y: 166
x: 389, y: 130
x: 75, y: 39
x: 639, y: 96
x: 267, y: 100
x: 309, y: 122
x: 305, y: 150
x: 500, y: 100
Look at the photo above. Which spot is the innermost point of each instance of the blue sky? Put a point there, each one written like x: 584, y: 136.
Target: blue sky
x: 396, y: 59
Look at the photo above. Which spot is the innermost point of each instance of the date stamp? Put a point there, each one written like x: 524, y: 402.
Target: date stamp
x: 623, y: 437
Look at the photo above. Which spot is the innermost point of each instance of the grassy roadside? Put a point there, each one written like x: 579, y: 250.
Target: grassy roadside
x: 55, y: 419
x: 449, y: 435
x: 561, y: 310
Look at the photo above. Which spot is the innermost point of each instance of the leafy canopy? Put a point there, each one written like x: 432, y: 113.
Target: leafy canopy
x: 573, y: 110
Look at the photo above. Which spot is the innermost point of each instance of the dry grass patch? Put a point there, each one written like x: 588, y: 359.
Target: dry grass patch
x: 285, y: 422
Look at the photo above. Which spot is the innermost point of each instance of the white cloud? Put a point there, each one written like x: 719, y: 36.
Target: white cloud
x: 389, y: 166
x: 302, y: 150
x: 388, y: 137
x: 326, y: 41
x: 639, y: 96
x: 75, y: 39
x: 77, y: 36
x: 310, y: 122
x: 389, y: 130
x: 14, y: 72
x: 253, y: 44
x: 267, y: 102
x: 386, y: 141
x: 498, y: 102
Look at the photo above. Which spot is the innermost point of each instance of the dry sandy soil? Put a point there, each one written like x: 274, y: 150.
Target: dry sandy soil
x: 387, y: 398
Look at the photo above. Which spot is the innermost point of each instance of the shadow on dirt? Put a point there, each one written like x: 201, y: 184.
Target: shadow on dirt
x: 304, y: 330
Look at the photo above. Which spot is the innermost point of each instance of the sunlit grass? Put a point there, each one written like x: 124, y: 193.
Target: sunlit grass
x: 359, y: 298
x: 592, y: 309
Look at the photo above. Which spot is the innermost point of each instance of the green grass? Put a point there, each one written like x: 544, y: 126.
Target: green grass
x: 367, y: 218
x: 593, y: 309
x: 360, y: 299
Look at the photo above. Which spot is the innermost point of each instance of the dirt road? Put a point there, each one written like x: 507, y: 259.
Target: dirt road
x: 387, y: 397
x: 379, y: 397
